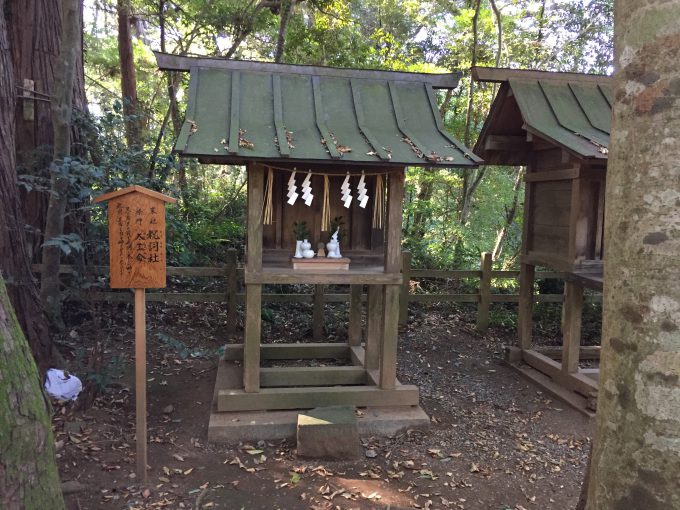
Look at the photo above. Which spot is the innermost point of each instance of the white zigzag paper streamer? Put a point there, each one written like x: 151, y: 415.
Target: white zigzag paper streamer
x: 362, y: 197
x: 292, y: 194
x: 307, y: 189
x: 346, y: 193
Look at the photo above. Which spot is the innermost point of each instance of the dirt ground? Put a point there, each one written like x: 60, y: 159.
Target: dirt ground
x: 495, y: 441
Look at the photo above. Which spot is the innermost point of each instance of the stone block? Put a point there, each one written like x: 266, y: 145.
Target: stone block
x: 328, y: 432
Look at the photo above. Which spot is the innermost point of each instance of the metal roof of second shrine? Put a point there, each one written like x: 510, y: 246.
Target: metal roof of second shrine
x: 239, y: 111
x: 571, y: 110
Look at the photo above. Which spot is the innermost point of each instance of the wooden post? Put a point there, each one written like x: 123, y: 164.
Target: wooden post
x: 405, y: 287
x: 526, y: 305
x: 484, y: 293
x: 317, y: 313
x: 390, y: 318
x: 140, y: 383
x: 388, y: 354
x: 232, y: 291
x: 252, y: 337
x: 573, y: 309
x: 374, y: 328
x: 355, y: 309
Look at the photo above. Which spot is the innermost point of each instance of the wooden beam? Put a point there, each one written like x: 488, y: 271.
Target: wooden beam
x: 337, y: 278
x: 168, y: 62
x: 405, y: 287
x: 578, y: 382
x: 234, y: 352
x: 573, y: 309
x: 526, y: 305
x: 310, y: 397
x: 388, y: 350
x: 499, y: 75
x: 506, y: 143
x: 552, y: 175
x: 355, y: 315
x: 312, y: 376
x: 395, y: 199
x: 251, y: 350
x: 374, y: 328
x: 586, y: 352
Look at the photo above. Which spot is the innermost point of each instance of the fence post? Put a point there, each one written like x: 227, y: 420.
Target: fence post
x: 405, y: 287
x: 231, y: 275
x: 484, y: 293
x: 317, y: 314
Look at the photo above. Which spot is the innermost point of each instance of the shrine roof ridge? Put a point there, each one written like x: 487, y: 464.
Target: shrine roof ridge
x: 131, y: 189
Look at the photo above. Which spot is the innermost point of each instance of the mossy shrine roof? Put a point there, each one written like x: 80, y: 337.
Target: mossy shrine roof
x: 570, y: 110
x: 239, y: 111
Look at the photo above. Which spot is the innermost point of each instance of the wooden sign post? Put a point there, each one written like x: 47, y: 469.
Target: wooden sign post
x: 137, y: 261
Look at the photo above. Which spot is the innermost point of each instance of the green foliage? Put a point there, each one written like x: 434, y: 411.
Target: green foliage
x: 300, y: 230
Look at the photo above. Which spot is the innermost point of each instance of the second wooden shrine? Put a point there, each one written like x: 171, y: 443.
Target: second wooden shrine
x: 330, y: 134
x: 557, y: 125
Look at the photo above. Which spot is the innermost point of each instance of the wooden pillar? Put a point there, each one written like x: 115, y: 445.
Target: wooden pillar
x: 231, y: 275
x: 573, y: 309
x: 526, y: 305
x: 388, y: 351
x: 140, y: 382
x: 484, y: 293
x: 374, y: 328
x: 251, y: 344
x: 405, y: 287
x: 317, y: 313
x: 355, y: 312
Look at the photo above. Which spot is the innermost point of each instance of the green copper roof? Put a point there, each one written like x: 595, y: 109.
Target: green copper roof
x: 240, y: 111
x: 568, y: 109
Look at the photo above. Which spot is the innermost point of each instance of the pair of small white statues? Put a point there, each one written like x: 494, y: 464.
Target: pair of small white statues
x: 303, y: 249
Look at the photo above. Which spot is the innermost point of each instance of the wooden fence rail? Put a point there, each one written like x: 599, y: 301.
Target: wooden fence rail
x: 233, y: 276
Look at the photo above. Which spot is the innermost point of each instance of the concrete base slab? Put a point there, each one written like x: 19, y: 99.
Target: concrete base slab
x: 235, y: 426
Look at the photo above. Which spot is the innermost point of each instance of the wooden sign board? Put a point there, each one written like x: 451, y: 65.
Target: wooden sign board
x: 136, y: 237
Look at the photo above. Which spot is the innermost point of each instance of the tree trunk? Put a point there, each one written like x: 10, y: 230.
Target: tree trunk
x: 14, y: 257
x: 28, y: 469
x: 636, y: 456
x: 509, y: 216
x: 128, y: 76
x: 286, y: 11
x: 59, y: 169
x: 34, y: 28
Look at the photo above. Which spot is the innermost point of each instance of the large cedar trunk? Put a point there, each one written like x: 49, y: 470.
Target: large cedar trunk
x: 14, y: 258
x: 28, y: 469
x: 128, y: 76
x: 34, y: 28
x: 636, y: 455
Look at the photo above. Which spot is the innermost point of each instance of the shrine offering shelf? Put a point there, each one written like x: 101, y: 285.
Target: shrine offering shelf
x: 370, y: 275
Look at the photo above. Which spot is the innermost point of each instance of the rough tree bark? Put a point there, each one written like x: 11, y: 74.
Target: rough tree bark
x: 510, y: 214
x: 28, y: 469
x: 636, y: 456
x: 14, y: 257
x: 34, y: 28
x: 286, y: 11
x: 128, y: 76
x: 61, y: 121
x: 471, y: 178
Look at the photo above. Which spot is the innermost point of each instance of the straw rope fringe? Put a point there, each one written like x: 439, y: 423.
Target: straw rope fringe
x: 326, y: 206
x: 268, y: 209
x: 379, y: 203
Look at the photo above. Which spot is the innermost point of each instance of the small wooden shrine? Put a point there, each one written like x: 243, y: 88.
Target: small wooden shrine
x: 327, y: 147
x: 557, y: 125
